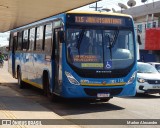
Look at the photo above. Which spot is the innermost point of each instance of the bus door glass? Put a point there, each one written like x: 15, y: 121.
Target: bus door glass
x: 58, y: 58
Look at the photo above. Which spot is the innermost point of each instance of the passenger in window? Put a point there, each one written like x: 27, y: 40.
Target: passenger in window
x: 84, y: 46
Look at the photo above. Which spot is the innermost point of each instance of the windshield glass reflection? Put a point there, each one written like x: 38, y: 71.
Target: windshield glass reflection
x: 100, y: 49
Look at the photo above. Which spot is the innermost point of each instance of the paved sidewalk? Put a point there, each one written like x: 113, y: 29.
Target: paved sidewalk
x: 15, y: 106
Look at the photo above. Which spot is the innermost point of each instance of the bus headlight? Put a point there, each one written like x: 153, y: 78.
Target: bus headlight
x: 71, y: 79
x: 132, y: 78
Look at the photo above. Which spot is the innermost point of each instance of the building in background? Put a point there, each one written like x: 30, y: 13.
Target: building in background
x: 146, y: 17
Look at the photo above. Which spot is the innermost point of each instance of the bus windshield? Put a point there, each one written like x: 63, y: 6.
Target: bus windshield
x: 100, y: 49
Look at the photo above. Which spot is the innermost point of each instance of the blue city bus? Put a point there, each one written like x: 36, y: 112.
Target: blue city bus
x: 76, y: 55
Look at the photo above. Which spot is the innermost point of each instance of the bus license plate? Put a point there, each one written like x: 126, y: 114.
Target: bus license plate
x: 156, y: 87
x: 103, y: 95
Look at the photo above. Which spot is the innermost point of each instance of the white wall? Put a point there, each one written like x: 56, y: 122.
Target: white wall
x: 142, y: 22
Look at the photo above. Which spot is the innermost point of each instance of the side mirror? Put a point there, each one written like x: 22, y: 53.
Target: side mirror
x: 139, y: 42
x: 139, y: 39
x: 61, y: 36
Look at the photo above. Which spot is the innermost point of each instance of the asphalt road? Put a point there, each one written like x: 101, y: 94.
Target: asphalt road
x: 139, y: 107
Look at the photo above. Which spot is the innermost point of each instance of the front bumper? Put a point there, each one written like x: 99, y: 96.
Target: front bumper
x: 147, y: 88
x: 92, y: 92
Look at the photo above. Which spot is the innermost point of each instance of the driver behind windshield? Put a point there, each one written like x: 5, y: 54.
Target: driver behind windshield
x: 84, y: 47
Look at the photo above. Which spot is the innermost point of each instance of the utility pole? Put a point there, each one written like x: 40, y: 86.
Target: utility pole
x: 96, y: 7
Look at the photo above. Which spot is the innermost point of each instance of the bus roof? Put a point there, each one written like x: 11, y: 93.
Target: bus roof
x: 17, y: 13
x: 97, y: 12
x: 70, y: 12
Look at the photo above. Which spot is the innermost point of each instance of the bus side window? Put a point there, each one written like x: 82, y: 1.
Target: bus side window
x: 25, y: 40
x: 31, y: 39
x: 48, y: 38
x: 39, y: 38
x: 19, y: 43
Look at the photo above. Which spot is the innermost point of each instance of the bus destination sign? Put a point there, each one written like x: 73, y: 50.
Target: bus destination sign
x: 98, y: 20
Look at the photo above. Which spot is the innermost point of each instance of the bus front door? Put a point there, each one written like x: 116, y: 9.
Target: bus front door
x: 58, y: 61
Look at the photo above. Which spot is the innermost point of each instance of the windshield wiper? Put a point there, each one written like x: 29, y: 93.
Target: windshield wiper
x: 112, y: 42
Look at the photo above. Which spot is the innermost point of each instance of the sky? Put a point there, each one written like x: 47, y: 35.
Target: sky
x: 103, y: 4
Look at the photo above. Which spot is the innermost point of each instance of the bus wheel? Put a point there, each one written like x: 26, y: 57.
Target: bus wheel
x: 20, y: 82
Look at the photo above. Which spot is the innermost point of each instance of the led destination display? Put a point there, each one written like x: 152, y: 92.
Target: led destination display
x: 74, y: 19
x: 97, y: 20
